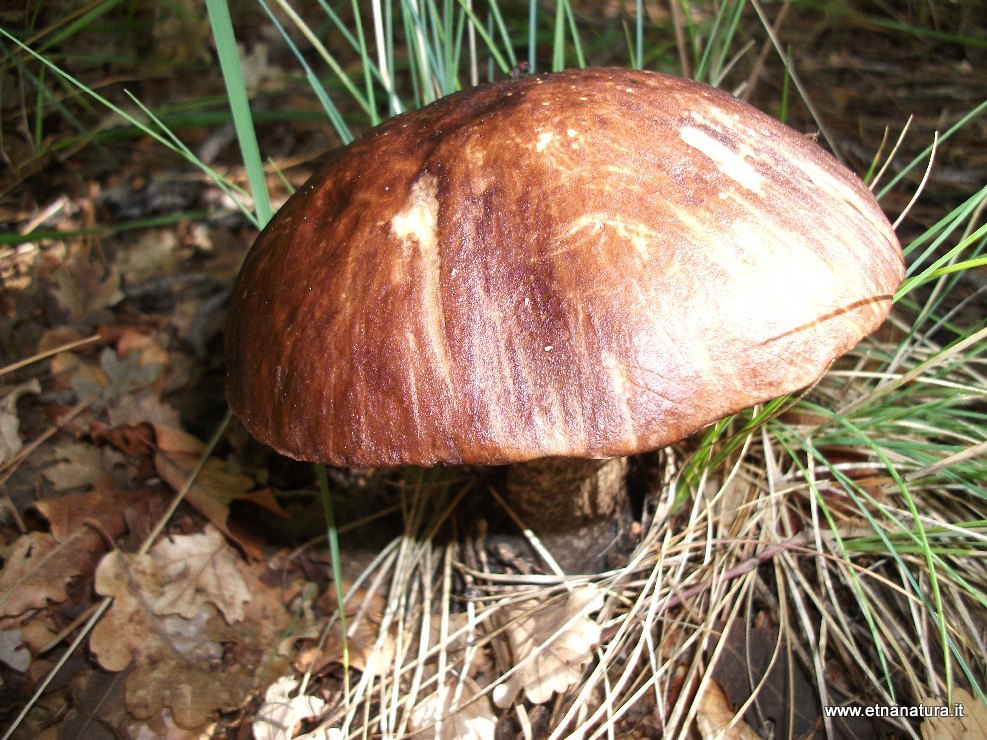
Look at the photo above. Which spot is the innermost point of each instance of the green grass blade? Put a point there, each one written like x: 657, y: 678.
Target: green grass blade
x: 337, y: 572
x: 229, y: 62
x: 332, y: 112
x: 166, y: 139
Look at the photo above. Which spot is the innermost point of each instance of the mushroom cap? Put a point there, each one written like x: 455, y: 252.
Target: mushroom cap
x: 589, y: 263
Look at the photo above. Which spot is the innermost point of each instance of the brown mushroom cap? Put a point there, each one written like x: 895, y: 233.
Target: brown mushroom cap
x: 590, y: 263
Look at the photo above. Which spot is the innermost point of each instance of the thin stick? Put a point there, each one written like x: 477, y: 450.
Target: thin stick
x: 48, y: 353
x: 34, y: 444
x: 187, y: 485
x: 921, y: 185
x: 816, y: 116
x: 58, y: 666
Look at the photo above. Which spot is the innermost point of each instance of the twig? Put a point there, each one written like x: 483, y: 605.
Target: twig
x: 100, y: 608
x: 34, y: 444
x: 48, y: 353
x: 187, y: 485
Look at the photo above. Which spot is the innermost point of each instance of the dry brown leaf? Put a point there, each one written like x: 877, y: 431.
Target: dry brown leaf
x: 12, y: 651
x: 213, y: 490
x: 37, y: 628
x: 716, y: 720
x: 457, y: 710
x: 367, y: 650
x: 172, y: 622
x: 193, y: 691
x: 131, y: 629
x: 282, y: 711
x: 147, y: 344
x: 171, y: 438
x: 179, y: 576
x: 550, y: 645
x: 363, y: 652
x: 78, y: 464
x: 140, y: 409
x: 149, y: 255
x: 203, y: 569
x: 10, y: 440
x: 84, y: 287
x: 128, y: 375
x: 972, y: 725
x: 69, y: 367
x: 36, y: 571
x: 105, y: 505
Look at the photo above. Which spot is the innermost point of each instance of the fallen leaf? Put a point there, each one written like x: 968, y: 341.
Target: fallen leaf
x: 213, y: 490
x: 171, y: 438
x: 203, y: 567
x: 145, y: 408
x: 10, y: 440
x: 84, y: 288
x: 37, y: 571
x: 716, y: 719
x: 458, y: 710
x: 72, y: 370
x: 282, y: 711
x: 191, y: 690
x: 367, y: 649
x: 127, y: 375
x: 172, y: 622
x: 134, y: 441
x: 550, y: 645
x: 178, y: 576
x: 77, y: 464
x: 971, y: 725
x: 149, y: 255
x: 37, y: 628
x: 786, y: 691
x: 12, y: 651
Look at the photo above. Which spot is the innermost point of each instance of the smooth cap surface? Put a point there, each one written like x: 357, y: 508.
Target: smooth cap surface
x: 590, y: 263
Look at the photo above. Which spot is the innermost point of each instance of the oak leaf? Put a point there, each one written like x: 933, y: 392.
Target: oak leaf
x: 170, y: 620
x: 12, y: 651
x: 85, y: 288
x: 179, y: 576
x: 457, y: 710
x: 970, y: 725
x: 193, y: 691
x: 716, y: 720
x: 37, y: 571
x: 551, y: 645
x: 283, y: 710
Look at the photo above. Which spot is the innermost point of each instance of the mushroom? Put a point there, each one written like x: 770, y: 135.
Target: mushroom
x: 585, y: 264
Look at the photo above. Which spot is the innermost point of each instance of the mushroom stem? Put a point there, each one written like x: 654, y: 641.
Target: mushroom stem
x: 578, y: 508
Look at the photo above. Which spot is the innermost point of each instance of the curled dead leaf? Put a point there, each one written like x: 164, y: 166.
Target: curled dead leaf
x: 215, y: 487
x: 716, y: 719
x: 12, y: 650
x: 283, y: 710
x: 967, y: 720
x: 551, y: 645
x: 10, y: 441
x: 457, y: 710
x: 179, y: 576
x: 36, y: 571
